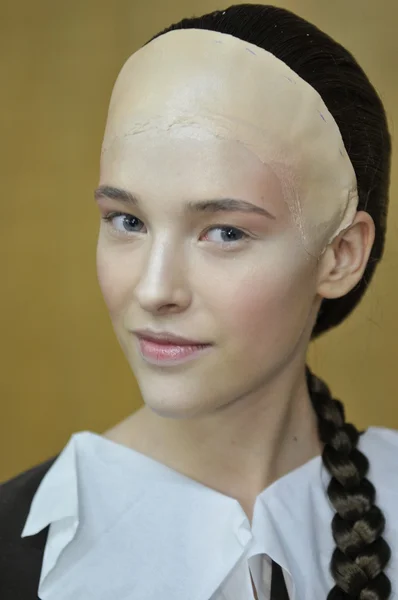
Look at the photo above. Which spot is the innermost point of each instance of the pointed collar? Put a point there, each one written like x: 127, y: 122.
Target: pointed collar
x: 123, y: 525
x: 121, y: 519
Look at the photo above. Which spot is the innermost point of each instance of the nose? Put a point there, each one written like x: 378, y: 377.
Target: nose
x: 163, y: 283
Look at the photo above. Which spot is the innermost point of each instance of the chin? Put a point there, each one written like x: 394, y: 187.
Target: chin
x: 173, y: 409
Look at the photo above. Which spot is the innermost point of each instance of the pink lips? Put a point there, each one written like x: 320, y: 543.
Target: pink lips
x: 166, y: 352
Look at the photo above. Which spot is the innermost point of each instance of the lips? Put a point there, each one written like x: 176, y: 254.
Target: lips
x: 169, y: 343
x: 170, y: 354
x: 166, y: 338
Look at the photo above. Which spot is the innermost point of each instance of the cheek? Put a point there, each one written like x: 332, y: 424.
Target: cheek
x: 112, y: 281
x: 270, y: 304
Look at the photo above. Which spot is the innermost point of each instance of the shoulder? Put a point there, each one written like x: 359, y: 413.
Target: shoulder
x: 20, y: 558
x: 380, y: 445
x: 16, y: 495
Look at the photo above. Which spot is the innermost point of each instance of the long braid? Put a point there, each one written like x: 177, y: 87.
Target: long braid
x: 361, y: 553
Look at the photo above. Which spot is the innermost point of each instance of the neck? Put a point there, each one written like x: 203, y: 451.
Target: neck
x: 246, y: 445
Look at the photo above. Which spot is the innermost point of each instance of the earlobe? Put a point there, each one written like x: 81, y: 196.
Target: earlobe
x: 344, y: 261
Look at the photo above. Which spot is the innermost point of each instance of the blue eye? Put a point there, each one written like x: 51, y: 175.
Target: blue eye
x: 231, y: 232
x: 113, y: 215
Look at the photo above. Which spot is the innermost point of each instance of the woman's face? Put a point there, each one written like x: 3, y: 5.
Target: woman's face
x: 239, y: 280
x: 196, y: 117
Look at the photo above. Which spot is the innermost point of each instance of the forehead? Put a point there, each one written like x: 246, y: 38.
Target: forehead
x: 182, y: 157
x: 178, y: 168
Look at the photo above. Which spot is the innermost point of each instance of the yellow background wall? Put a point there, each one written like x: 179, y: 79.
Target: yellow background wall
x: 61, y: 367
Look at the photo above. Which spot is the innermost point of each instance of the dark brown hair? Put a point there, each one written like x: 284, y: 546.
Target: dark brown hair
x: 361, y: 553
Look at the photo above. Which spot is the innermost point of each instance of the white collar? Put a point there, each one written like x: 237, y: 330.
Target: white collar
x: 148, y: 532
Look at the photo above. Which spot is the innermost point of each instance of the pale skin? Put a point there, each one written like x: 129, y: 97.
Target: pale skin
x: 241, y: 446
x: 240, y: 417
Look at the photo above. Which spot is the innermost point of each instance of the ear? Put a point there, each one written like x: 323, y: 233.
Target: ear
x: 343, y: 263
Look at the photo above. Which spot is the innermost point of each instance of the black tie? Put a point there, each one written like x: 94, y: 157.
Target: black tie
x: 278, y: 585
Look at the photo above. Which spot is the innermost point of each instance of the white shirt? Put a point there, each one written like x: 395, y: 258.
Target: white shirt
x: 126, y: 527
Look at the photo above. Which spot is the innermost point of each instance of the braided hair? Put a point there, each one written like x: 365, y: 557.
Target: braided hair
x: 361, y: 553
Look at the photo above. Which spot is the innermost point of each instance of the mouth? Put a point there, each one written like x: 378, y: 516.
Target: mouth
x: 167, y: 352
x: 163, y: 337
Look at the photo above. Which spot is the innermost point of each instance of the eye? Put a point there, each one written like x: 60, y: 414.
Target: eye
x: 231, y: 233
x: 128, y: 225
x: 128, y: 220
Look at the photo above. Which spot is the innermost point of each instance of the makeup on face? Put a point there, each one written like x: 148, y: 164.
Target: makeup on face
x: 186, y: 129
x: 166, y: 355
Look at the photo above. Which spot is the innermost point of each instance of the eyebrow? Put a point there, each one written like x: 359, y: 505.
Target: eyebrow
x: 201, y: 206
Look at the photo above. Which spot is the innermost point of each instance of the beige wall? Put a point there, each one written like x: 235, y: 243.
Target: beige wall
x: 61, y: 368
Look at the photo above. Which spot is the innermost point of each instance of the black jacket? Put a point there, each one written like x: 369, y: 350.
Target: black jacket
x: 20, y: 558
